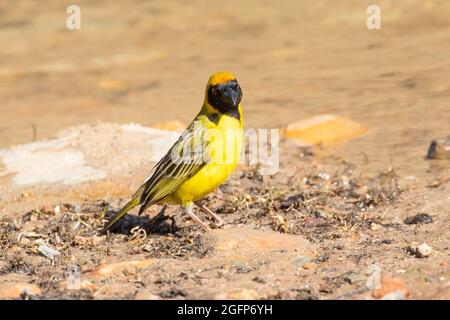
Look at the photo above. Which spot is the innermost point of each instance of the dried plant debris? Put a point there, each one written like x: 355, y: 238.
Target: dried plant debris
x: 420, y: 218
x: 313, y: 205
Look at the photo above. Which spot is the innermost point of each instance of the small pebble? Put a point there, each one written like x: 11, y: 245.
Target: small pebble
x: 60, y: 209
x: 375, y: 226
x: 439, y: 149
x: 309, y: 266
x: 424, y: 250
x: 421, y: 251
x: 46, y: 250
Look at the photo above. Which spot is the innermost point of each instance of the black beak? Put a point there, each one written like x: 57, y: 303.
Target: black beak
x: 231, y: 96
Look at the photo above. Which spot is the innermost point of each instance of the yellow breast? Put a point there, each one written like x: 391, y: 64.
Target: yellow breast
x: 225, y: 140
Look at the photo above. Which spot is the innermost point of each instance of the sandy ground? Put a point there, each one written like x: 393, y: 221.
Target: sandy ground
x: 339, y: 212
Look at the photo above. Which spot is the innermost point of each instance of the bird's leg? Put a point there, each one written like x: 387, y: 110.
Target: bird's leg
x: 188, y: 211
x: 206, y: 210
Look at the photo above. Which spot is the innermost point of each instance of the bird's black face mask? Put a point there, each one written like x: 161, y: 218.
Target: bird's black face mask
x: 226, y: 98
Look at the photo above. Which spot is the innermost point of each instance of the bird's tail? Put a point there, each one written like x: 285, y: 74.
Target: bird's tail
x: 130, y: 205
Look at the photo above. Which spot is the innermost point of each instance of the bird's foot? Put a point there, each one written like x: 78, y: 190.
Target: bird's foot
x: 205, y: 209
x: 197, y: 220
x: 217, y: 223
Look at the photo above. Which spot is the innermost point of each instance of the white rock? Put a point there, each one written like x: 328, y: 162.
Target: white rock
x: 46, y: 250
x: 424, y: 250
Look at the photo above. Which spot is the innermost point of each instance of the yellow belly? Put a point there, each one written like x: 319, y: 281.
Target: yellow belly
x: 225, y: 154
x: 205, y: 181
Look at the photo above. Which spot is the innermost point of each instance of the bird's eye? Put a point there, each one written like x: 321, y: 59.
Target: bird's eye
x: 214, y: 91
x: 236, y: 86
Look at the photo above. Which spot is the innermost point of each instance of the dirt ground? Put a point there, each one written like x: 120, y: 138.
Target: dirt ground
x: 329, y: 225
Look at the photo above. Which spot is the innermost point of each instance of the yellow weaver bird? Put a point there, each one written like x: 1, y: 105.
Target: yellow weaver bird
x: 202, y: 158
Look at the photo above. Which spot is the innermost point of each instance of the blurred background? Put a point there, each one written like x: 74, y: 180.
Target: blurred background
x: 148, y: 62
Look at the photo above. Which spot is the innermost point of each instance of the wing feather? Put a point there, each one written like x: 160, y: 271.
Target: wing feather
x: 169, y: 174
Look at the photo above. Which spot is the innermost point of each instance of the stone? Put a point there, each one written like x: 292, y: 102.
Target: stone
x: 424, y: 250
x: 420, y: 251
x: 46, y: 250
x: 309, y: 266
x: 325, y: 130
x: 60, y: 209
x: 439, y: 149
x: 48, y: 209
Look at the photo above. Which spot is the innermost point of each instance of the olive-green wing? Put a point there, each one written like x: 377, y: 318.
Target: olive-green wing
x: 185, y: 159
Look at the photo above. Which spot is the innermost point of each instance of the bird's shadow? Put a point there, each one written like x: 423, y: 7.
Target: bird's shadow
x: 159, y: 224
